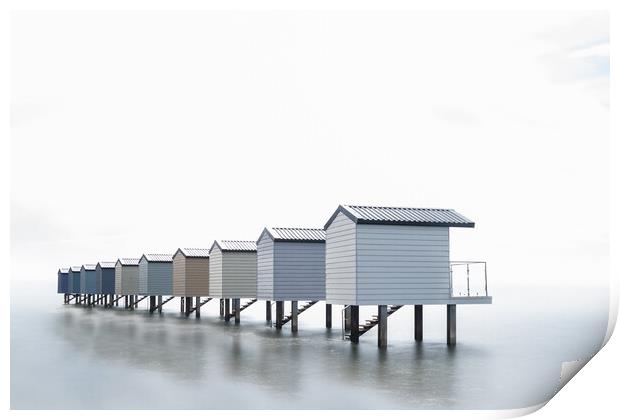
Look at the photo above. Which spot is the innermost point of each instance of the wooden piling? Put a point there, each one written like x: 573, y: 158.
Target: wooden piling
x: 382, y: 325
x: 226, y: 310
x: 279, y: 314
x: 221, y: 308
x: 182, y: 305
x: 347, y: 318
x: 418, y: 322
x: 451, y: 324
x: 126, y: 301
x: 354, y: 323
x: 131, y: 302
x: 268, y: 311
x: 237, y: 309
x: 151, y: 304
x: 294, y: 319
x: 188, y: 305
x: 197, y: 306
x: 159, y: 302
x: 328, y: 315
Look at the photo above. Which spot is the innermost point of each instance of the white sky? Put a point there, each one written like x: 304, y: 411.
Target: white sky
x: 143, y: 132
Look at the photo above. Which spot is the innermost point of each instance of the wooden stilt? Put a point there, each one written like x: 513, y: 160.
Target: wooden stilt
x: 451, y: 324
x: 382, y: 332
x: 226, y: 310
x: 237, y: 309
x: 328, y: 315
x: 221, y: 308
x: 197, y: 306
x: 279, y: 314
x: 188, y: 305
x: 355, y: 323
x: 418, y: 322
x: 347, y: 318
x: 159, y: 301
x: 268, y: 311
x: 294, y: 319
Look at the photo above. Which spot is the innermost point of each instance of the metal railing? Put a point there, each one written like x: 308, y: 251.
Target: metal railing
x: 475, y: 272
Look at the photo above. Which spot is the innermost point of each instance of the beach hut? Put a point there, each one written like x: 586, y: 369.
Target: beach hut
x: 391, y: 257
x: 75, y: 282
x: 63, y: 282
x: 126, y: 279
x: 291, y: 267
x: 232, y: 274
x: 155, y: 277
x: 105, y: 281
x: 190, y: 277
x: 88, y: 281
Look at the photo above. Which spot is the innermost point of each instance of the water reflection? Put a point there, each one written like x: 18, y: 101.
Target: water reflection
x: 207, y: 363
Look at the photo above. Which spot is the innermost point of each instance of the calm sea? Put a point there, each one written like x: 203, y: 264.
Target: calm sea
x: 508, y: 355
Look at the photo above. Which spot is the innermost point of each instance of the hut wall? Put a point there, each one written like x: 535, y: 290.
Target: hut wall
x: 129, y: 280
x: 63, y: 282
x: 402, y: 264
x: 107, y: 281
x: 264, y: 264
x: 74, y: 282
x: 197, y: 276
x: 299, y: 270
x: 159, y: 278
x: 143, y: 270
x: 215, y: 273
x: 340, y: 261
x: 178, y: 274
x: 239, y: 274
x: 118, y: 278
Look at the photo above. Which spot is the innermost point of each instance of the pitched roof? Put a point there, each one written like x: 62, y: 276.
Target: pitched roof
x: 402, y: 216
x: 63, y: 270
x: 75, y: 268
x: 239, y: 246
x: 194, y: 252
x: 89, y: 267
x: 128, y: 261
x: 106, y: 264
x: 158, y: 257
x: 296, y: 234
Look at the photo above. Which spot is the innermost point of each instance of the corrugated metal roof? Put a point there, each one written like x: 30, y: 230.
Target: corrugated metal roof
x: 297, y: 234
x: 402, y: 216
x: 89, y: 267
x: 75, y: 268
x: 63, y: 270
x: 226, y: 245
x: 194, y: 252
x: 107, y: 264
x: 158, y: 257
x: 129, y: 261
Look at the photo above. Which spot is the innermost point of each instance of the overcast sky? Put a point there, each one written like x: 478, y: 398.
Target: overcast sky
x: 144, y: 132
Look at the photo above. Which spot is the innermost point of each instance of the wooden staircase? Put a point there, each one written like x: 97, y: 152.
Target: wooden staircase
x: 139, y: 300
x: 244, y: 306
x: 369, y: 324
x: 156, y: 307
x: 204, y: 302
x: 304, y: 308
